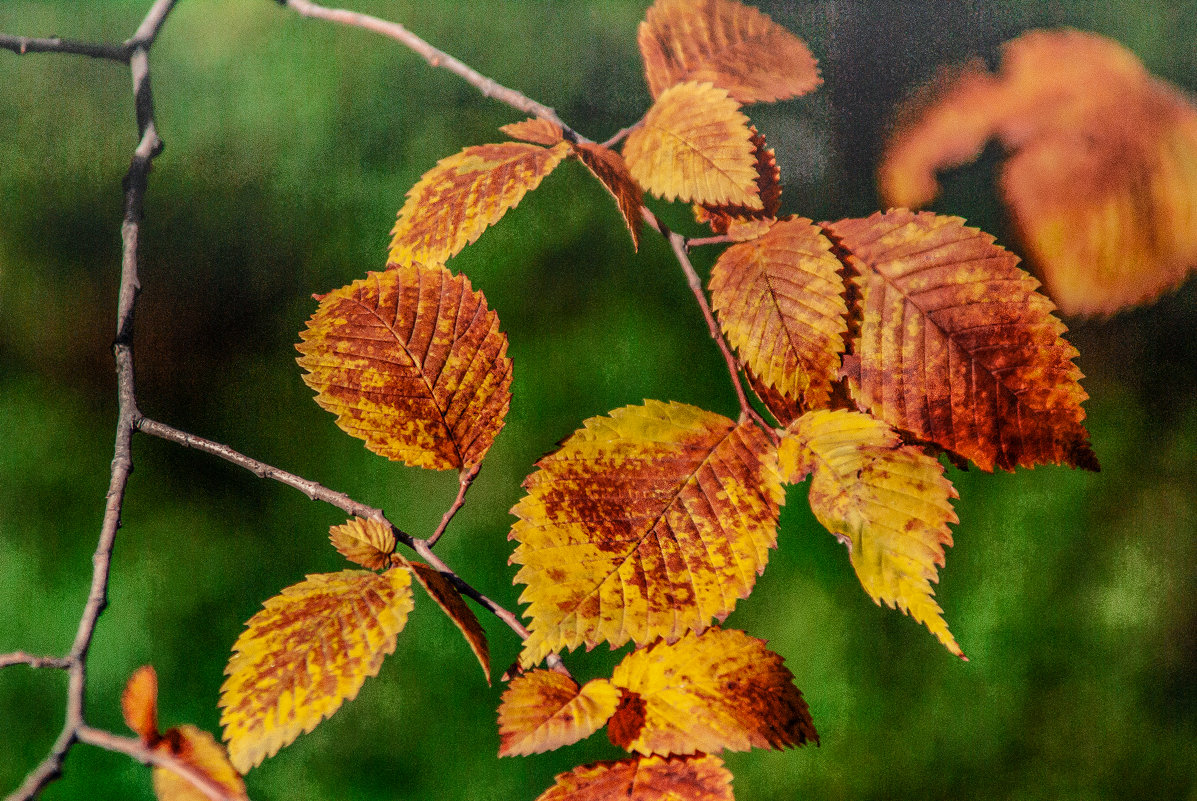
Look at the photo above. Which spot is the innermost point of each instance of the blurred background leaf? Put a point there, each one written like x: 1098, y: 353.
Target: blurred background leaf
x: 289, y: 147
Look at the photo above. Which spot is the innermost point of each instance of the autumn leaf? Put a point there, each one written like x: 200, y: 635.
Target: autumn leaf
x: 732, y: 46
x: 609, y: 167
x: 454, y: 606
x: 784, y: 410
x: 955, y: 345
x: 369, y: 543
x: 740, y: 222
x: 698, y: 778
x: 536, y: 130
x: 1101, y: 181
x: 464, y: 194
x: 198, y: 750
x: 139, y: 704
x: 543, y: 710
x: 889, y: 503
x: 644, y: 524
x: 707, y: 692
x: 695, y: 144
x: 780, y: 300
x: 411, y: 361
x: 309, y: 650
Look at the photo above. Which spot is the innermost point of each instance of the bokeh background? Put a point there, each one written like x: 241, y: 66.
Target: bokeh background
x: 289, y: 147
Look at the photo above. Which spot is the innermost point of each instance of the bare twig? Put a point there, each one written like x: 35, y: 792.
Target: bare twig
x: 22, y: 658
x: 622, y: 133
x: 28, y: 44
x: 698, y: 241
x: 467, y: 478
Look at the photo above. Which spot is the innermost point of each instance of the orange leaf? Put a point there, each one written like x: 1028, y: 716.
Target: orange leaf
x: 694, y: 144
x: 780, y: 300
x: 784, y: 410
x: 609, y: 167
x: 644, y: 524
x: 699, y: 778
x: 710, y: 691
x: 411, y: 361
x: 741, y: 222
x: 728, y: 44
x: 889, y: 503
x: 200, y: 751
x: 452, y: 604
x: 535, y: 130
x: 955, y: 345
x: 1102, y: 180
x: 543, y: 710
x: 464, y: 194
x: 139, y: 704
x: 369, y: 543
x: 308, y: 651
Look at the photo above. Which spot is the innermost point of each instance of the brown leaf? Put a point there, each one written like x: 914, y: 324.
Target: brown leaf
x: 697, y: 778
x: 543, y: 710
x: 780, y: 300
x: 695, y: 144
x: 464, y: 194
x: 784, y: 410
x: 609, y: 167
x: 139, y: 704
x: 411, y: 361
x: 535, y: 130
x: 452, y: 604
x: 955, y: 345
x: 741, y: 222
x: 728, y: 44
x: 369, y: 543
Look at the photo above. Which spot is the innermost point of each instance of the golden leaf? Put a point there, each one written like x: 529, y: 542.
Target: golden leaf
x: 308, y: 651
x: 200, y: 751
x: 139, y: 704
x: 694, y: 144
x: 543, y: 710
x: 740, y: 222
x: 609, y: 167
x: 411, y: 361
x: 369, y: 543
x: 780, y: 300
x: 710, y: 691
x: 728, y: 44
x: 1102, y: 180
x: 452, y: 604
x: 888, y: 502
x: 698, y: 778
x: 535, y: 130
x: 644, y: 524
x: 955, y: 345
x: 464, y: 194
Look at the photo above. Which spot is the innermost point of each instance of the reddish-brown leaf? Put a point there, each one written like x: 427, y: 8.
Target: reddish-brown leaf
x: 610, y: 168
x: 139, y: 704
x: 200, y: 751
x: 728, y: 44
x: 695, y: 144
x: 780, y: 300
x: 1102, y: 180
x: 955, y: 345
x: 784, y: 410
x: 464, y: 194
x: 697, y: 778
x: 535, y: 130
x: 543, y: 710
x: 741, y: 222
x: 644, y: 524
x: 411, y: 361
x: 707, y: 692
x: 441, y: 590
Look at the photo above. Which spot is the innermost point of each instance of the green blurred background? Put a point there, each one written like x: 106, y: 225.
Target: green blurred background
x: 289, y: 147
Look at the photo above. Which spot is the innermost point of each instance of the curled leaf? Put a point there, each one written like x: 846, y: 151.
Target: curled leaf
x: 644, y: 524
x: 411, y: 361
x: 139, y: 704
x: 609, y: 167
x: 697, y: 778
x: 308, y: 651
x: 543, y: 710
x: 441, y: 590
x: 369, y: 543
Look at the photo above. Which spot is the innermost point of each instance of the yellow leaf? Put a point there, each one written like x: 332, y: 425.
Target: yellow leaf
x: 780, y: 300
x: 644, y: 524
x: 888, y: 502
x: 609, y: 167
x: 309, y: 650
x: 452, y: 604
x: 369, y: 543
x: 464, y: 194
x: 535, y: 130
x: 695, y: 144
x: 729, y: 44
x: 706, y: 692
x: 698, y: 778
x: 543, y: 710
x: 200, y: 751
x: 740, y: 222
x: 139, y: 704
x: 411, y: 361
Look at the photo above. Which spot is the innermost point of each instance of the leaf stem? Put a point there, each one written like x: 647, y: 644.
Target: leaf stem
x: 467, y: 478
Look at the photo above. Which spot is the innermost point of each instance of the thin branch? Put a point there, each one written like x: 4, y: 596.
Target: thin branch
x: 622, y: 133
x: 22, y: 658
x: 467, y: 478
x: 134, y: 748
x: 698, y: 241
x: 22, y: 45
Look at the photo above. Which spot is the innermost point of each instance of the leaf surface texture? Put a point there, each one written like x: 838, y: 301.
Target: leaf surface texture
x: 699, y: 778
x: 199, y: 750
x: 543, y: 710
